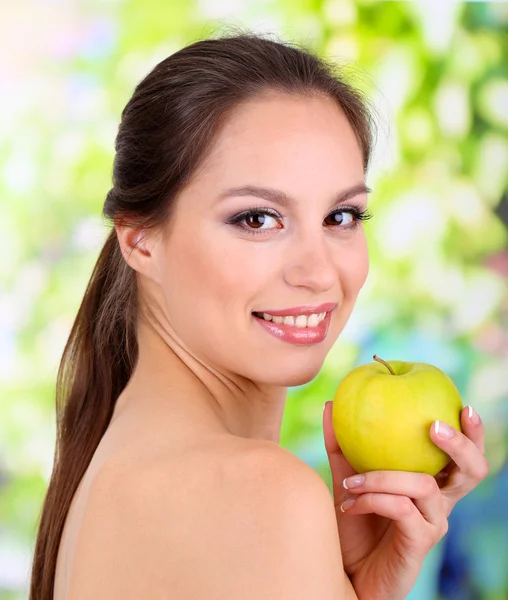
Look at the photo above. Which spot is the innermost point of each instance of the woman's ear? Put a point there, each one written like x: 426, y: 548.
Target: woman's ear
x: 136, y: 247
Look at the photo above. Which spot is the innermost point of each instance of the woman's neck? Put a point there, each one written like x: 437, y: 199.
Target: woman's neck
x: 167, y: 374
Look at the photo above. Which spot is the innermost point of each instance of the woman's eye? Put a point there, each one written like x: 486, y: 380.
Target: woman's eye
x: 338, y: 218
x: 260, y: 221
x: 256, y: 220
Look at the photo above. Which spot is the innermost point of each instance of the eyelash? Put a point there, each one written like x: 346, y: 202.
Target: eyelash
x: 356, y: 211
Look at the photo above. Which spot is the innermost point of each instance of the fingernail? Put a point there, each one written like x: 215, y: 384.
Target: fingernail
x: 347, y: 504
x: 352, y: 482
x: 443, y: 430
x: 474, y: 417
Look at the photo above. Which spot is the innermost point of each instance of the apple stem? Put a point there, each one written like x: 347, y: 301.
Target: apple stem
x: 384, y: 363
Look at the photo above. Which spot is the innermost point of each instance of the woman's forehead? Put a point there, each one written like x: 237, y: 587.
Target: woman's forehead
x: 282, y: 134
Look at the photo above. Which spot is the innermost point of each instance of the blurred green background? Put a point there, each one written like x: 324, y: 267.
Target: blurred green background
x: 437, y: 73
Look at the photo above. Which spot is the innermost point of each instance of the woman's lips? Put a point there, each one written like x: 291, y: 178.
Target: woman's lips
x: 297, y: 335
x: 301, y: 310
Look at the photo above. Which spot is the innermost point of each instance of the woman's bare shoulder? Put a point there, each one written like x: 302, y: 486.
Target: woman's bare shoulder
x: 234, y: 518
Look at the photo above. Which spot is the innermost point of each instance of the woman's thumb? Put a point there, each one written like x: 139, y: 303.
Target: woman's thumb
x: 331, y: 443
x: 339, y: 465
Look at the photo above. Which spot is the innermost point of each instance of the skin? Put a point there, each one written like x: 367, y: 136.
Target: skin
x: 207, y: 371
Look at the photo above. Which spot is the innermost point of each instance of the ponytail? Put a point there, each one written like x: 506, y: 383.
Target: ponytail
x: 97, y: 363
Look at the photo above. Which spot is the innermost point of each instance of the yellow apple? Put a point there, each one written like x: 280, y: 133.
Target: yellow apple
x: 382, y: 414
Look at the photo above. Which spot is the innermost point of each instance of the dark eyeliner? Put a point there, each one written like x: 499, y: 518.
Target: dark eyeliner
x: 358, y: 214
x: 356, y: 211
x: 250, y: 213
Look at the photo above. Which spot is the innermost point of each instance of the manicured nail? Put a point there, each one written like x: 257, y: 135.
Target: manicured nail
x: 347, y: 504
x: 352, y: 482
x: 473, y: 416
x: 443, y: 430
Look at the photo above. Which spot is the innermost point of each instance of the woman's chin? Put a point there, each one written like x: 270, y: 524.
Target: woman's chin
x: 294, y: 375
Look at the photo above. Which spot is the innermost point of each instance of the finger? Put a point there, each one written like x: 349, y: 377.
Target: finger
x: 420, y: 487
x: 472, y: 466
x: 339, y: 465
x: 472, y: 426
x: 331, y: 444
x: 402, y: 511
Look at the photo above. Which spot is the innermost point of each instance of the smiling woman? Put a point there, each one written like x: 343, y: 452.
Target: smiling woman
x: 203, y: 307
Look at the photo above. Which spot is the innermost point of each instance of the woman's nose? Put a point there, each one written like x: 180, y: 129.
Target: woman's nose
x: 311, y: 265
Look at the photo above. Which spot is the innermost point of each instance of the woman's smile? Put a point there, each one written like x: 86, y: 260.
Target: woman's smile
x: 299, y: 325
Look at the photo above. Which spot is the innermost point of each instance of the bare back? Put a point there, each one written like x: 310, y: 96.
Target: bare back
x: 160, y: 455
x: 187, y: 516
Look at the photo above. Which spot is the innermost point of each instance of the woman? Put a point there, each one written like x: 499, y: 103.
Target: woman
x: 235, y: 260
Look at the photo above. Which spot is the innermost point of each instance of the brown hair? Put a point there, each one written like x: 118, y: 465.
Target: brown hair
x: 165, y: 132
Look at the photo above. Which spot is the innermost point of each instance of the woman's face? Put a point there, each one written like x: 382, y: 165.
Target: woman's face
x: 220, y: 269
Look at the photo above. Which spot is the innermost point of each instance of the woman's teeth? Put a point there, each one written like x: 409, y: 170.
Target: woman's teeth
x: 299, y: 321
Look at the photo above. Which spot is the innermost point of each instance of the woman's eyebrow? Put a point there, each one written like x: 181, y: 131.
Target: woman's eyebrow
x: 282, y: 199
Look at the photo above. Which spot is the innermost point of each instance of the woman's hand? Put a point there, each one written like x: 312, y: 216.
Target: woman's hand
x: 390, y: 521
